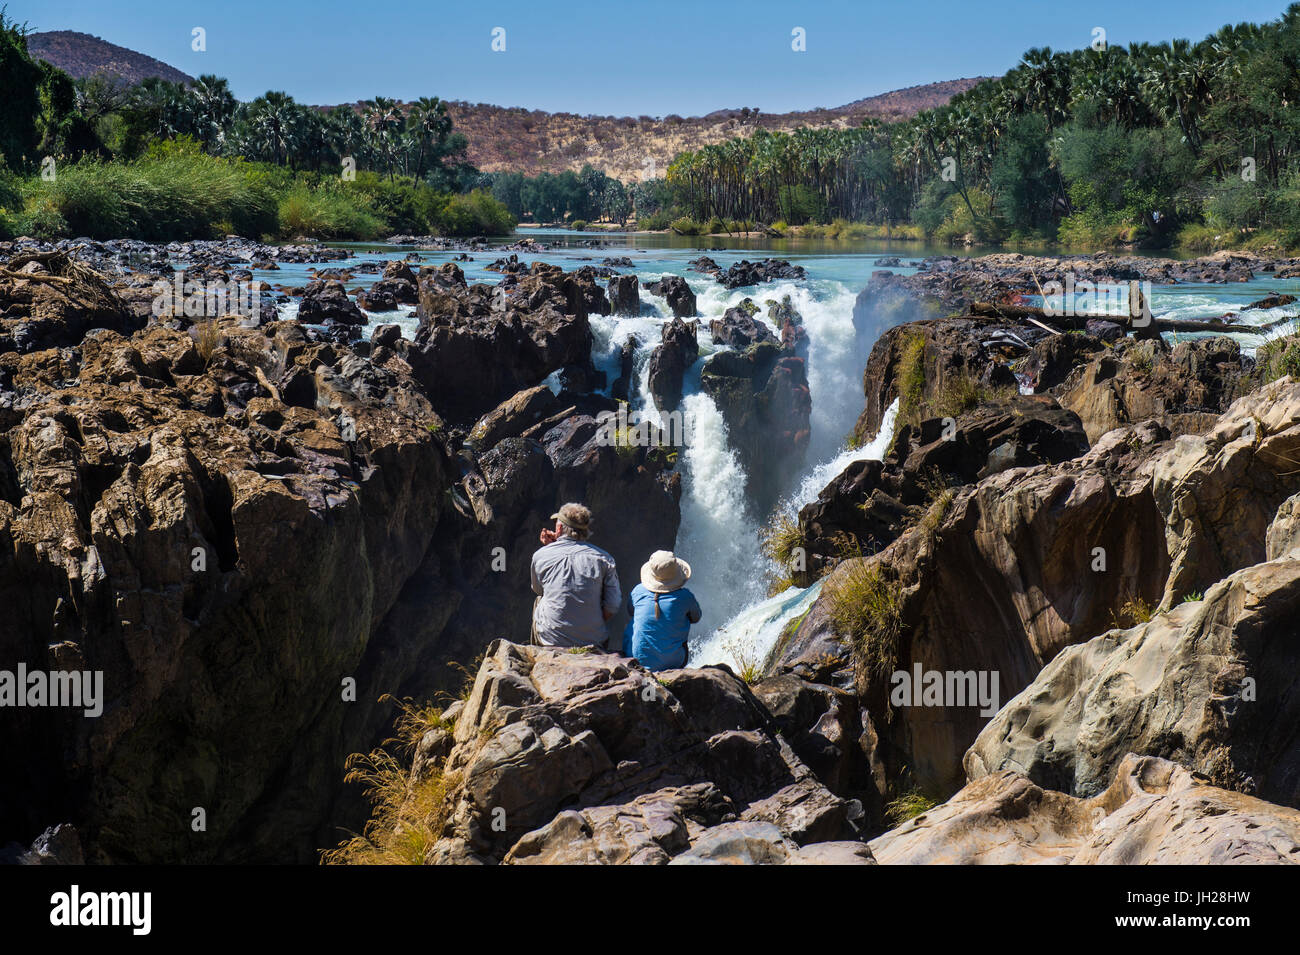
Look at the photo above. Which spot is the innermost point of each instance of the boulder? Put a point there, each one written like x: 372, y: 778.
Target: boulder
x: 680, y: 298
x: 587, y: 758
x: 326, y: 301
x: 624, y: 295
x: 669, y: 361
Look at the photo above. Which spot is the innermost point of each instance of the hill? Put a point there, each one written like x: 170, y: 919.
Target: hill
x: 81, y: 55
x: 503, y: 138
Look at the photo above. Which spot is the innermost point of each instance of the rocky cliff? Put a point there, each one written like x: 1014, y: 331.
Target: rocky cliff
x: 253, y: 529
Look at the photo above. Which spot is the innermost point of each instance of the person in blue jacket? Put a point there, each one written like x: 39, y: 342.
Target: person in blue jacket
x: 662, y: 611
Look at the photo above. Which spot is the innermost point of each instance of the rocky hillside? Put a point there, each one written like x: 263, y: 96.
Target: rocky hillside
x: 81, y: 55
x: 533, y: 141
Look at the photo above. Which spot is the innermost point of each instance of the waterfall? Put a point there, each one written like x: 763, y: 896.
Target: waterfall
x: 719, y: 533
x: 747, y: 638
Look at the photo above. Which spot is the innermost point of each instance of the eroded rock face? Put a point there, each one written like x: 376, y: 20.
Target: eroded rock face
x: 872, y: 502
x: 210, y: 513
x: 1210, y: 685
x: 1009, y: 575
x: 588, y: 758
x: 762, y: 394
x: 1184, y: 387
x: 171, y: 521
x: 1153, y: 812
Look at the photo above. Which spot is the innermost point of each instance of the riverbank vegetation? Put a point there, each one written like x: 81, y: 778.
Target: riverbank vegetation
x: 1170, y: 144
x: 166, y: 161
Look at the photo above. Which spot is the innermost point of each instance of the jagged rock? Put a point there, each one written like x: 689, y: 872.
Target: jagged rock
x: 669, y: 361
x: 171, y: 522
x: 680, y: 298
x: 744, y: 272
x: 624, y: 295
x: 823, y: 725
x: 39, y: 315
x: 396, y: 287
x: 327, y: 301
x: 477, y: 345
x: 738, y: 329
x: 514, y: 416
x: 872, y: 502
x: 951, y: 352
x: 1007, y: 575
x: 625, y: 386
x: 1152, y: 813
x: 57, y: 845
x: 1184, y: 387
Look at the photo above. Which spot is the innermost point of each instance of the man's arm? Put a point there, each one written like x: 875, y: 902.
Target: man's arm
x: 611, y: 594
x: 537, y: 584
x: 693, y: 613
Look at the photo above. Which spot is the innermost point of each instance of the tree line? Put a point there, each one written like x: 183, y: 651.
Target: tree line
x: 1096, y: 144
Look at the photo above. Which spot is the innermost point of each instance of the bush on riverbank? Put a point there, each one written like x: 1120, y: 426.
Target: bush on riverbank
x: 178, y: 192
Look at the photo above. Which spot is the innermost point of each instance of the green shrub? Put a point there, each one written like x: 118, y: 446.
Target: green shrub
x: 159, y: 198
x: 911, y: 378
x: 867, y: 607
x: 578, y: 225
x: 475, y: 213
x: 1277, y: 358
x: 329, y: 212
x: 656, y: 221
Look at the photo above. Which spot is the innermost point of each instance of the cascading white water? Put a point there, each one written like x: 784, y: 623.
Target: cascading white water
x: 747, y: 638
x: 719, y: 533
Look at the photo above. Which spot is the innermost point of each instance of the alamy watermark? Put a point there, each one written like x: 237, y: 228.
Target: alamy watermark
x: 208, y: 299
x: 82, y: 689
x: 921, y: 687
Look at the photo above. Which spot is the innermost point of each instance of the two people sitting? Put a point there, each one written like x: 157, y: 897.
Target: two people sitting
x: 578, y: 593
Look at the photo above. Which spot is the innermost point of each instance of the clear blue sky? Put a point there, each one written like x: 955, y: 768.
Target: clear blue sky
x: 616, y: 56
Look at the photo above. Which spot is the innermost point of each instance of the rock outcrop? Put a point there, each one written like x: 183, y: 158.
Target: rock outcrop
x: 669, y: 361
x: 568, y: 757
x: 678, y: 294
x: 1153, y: 812
x: 762, y: 394
x: 477, y: 345
x: 326, y: 301
x: 625, y: 295
x: 398, y: 286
